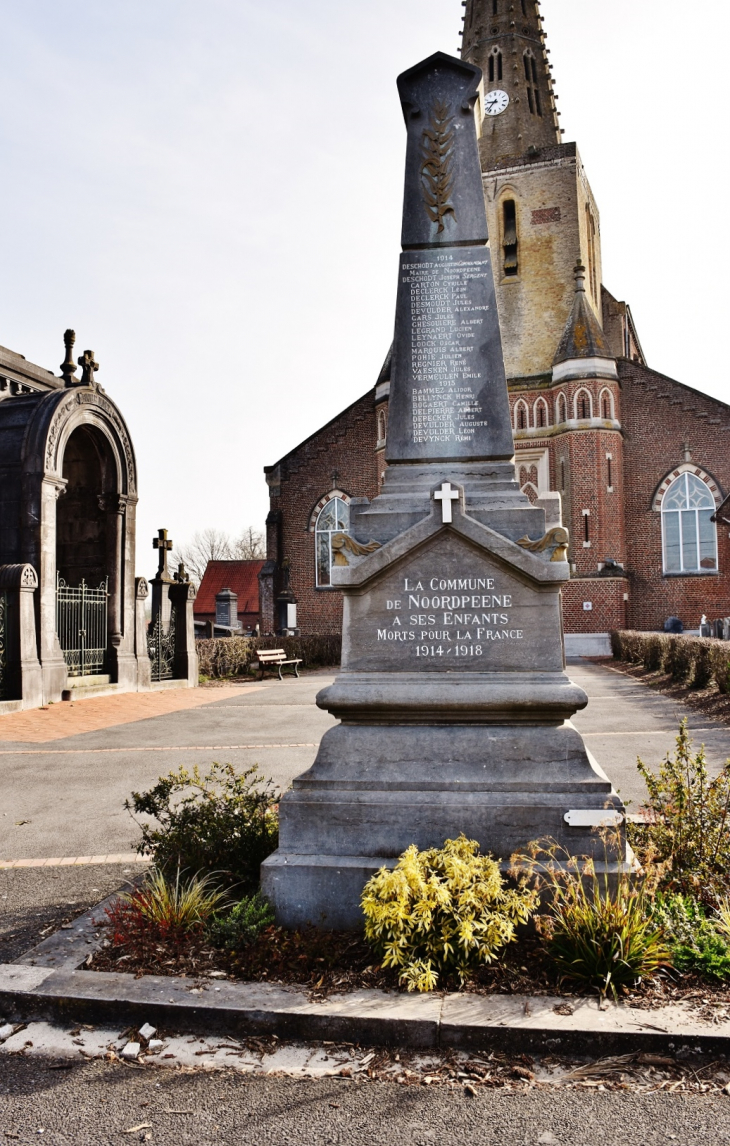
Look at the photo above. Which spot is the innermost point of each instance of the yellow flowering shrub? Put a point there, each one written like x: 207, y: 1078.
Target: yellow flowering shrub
x: 442, y: 912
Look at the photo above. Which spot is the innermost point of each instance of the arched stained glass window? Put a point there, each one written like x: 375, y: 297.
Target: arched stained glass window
x: 689, y: 536
x: 333, y: 518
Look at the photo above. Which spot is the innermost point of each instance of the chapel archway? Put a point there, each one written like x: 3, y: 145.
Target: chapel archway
x: 87, y: 552
x: 82, y: 544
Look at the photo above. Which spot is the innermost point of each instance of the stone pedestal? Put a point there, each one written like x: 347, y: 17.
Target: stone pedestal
x: 455, y: 709
x: 182, y: 597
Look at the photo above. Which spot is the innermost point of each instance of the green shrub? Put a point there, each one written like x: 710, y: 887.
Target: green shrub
x: 442, y: 912
x: 598, y: 929
x: 234, y: 656
x: 721, y: 666
x: 696, y: 941
x: 700, y: 660
x: 243, y: 924
x: 688, y: 828
x: 223, y: 824
x: 680, y: 658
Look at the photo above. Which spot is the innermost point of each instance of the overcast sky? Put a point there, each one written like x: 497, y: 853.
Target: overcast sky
x: 210, y: 194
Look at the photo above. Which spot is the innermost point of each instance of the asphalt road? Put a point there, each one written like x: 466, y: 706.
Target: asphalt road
x: 65, y: 797
x: 98, y: 1104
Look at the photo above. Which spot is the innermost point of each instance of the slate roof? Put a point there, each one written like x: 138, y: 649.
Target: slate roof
x: 583, y: 336
x: 239, y: 576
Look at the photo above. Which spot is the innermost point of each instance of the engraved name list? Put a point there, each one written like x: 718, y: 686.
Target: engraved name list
x: 445, y: 298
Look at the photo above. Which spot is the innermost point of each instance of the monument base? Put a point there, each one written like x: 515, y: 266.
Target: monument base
x: 374, y: 790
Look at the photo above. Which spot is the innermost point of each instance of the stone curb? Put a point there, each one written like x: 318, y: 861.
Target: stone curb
x: 47, y: 984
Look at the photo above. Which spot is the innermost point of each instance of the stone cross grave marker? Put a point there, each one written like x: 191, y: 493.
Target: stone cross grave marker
x: 163, y: 545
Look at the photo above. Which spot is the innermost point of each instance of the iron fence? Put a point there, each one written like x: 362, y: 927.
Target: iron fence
x: 81, y: 625
x: 161, y: 647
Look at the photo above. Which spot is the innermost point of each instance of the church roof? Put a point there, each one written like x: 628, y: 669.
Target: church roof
x: 583, y: 336
x: 242, y: 577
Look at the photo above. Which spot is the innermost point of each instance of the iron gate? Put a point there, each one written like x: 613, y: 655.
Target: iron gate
x: 4, y: 683
x: 161, y: 647
x: 81, y: 624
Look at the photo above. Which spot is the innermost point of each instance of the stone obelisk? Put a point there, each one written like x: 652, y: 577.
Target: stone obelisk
x: 453, y: 698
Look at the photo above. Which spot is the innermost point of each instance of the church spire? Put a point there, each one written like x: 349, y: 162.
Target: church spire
x: 505, y: 38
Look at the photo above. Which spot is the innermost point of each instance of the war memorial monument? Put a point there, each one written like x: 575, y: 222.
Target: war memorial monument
x: 453, y: 699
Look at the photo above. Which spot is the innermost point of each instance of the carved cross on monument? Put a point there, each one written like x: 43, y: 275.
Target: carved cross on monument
x: 164, y: 545
x: 446, y: 495
x: 88, y: 367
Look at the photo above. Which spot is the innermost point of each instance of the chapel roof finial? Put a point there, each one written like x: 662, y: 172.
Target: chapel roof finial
x: 68, y: 366
x: 579, y: 273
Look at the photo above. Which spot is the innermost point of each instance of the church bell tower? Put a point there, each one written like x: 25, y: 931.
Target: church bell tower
x: 505, y: 38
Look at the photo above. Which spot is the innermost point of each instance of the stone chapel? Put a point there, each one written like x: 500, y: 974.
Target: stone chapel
x: 72, y: 611
x: 636, y: 463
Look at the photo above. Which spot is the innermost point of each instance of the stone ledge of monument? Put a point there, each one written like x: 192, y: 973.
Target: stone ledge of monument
x: 47, y: 983
x: 538, y: 568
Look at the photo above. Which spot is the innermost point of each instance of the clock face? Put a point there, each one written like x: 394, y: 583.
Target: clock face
x: 495, y: 102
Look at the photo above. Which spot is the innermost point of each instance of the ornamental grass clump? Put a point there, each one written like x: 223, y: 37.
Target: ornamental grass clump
x: 687, y: 829
x: 597, y: 929
x: 442, y: 912
x: 162, y: 915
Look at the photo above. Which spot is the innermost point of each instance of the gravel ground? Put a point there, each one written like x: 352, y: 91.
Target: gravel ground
x: 95, y: 1104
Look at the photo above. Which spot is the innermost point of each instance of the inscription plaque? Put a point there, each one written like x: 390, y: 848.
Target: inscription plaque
x: 450, y: 609
x: 449, y: 393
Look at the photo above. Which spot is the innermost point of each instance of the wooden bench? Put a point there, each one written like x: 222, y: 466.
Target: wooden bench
x: 276, y: 658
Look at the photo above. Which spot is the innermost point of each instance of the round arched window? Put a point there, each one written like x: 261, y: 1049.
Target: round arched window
x: 333, y: 518
x: 688, y: 531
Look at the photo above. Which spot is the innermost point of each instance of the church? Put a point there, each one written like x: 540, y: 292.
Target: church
x: 635, y: 464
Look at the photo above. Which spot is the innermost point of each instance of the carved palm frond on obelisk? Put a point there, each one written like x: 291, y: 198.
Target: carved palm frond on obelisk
x: 436, y: 172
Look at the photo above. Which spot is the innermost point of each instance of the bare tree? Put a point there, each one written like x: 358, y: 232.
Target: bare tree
x: 249, y: 545
x: 215, y: 545
x: 207, y: 545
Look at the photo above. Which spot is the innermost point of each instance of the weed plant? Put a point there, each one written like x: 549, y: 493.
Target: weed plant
x: 698, y: 942
x: 597, y: 929
x: 222, y: 824
x: 442, y: 912
x: 243, y: 924
x: 688, y: 828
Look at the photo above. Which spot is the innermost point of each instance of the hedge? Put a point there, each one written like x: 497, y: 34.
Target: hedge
x: 694, y: 660
x: 233, y: 656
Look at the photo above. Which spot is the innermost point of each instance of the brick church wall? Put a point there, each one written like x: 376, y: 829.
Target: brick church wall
x: 605, y: 595
x: 339, y: 456
x: 661, y: 418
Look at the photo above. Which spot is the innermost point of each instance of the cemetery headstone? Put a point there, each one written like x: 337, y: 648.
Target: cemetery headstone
x: 452, y: 695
